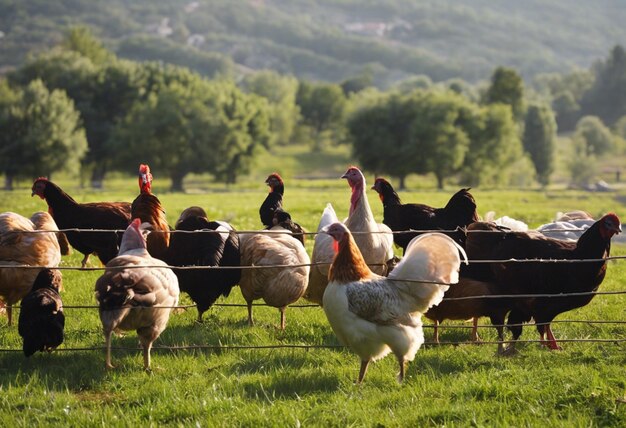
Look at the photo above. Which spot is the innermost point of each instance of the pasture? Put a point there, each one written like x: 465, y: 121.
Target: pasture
x: 278, y: 385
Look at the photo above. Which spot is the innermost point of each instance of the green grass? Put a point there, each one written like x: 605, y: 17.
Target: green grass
x: 463, y: 385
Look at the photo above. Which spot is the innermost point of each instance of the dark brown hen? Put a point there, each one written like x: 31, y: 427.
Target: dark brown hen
x: 69, y: 214
x: 41, y: 320
x: 542, y: 277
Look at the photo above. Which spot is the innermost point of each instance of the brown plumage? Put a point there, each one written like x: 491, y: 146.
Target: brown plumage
x: 148, y: 208
x: 32, y: 249
x: 469, y: 308
x: 69, y: 214
x: 278, y: 287
x: 133, y: 297
x: 542, y: 278
x: 41, y: 320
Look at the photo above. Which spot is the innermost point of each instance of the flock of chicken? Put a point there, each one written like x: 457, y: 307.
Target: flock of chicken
x: 373, y: 302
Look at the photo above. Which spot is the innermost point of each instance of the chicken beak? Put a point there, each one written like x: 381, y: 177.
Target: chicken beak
x: 344, y: 176
x: 32, y: 193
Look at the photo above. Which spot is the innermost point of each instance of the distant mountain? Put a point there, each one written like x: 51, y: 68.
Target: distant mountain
x: 330, y: 39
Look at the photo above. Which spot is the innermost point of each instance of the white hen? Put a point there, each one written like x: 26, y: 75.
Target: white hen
x: 132, y: 297
x: 278, y: 287
x: 374, y: 315
x: 375, y: 240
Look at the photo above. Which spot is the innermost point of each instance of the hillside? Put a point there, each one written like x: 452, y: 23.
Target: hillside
x: 329, y: 39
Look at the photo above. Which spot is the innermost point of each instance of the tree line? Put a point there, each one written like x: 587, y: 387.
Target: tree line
x: 80, y: 108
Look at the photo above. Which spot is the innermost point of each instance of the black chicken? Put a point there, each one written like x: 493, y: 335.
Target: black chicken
x: 541, y: 277
x: 273, y: 201
x: 283, y: 219
x: 221, y: 248
x: 41, y: 320
x: 459, y: 212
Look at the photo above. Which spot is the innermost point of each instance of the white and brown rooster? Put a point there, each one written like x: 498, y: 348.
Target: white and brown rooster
x: 375, y: 240
x: 132, y: 297
x: 374, y: 315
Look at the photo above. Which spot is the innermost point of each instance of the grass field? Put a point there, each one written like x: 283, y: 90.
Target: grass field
x: 464, y: 385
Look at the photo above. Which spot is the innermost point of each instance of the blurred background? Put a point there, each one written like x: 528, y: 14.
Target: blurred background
x: 431, y: 93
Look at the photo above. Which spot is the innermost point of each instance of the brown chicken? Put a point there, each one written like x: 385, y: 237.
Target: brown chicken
x: 18, y: 247
x: 69, y: 214
x: 147, y: 207
x: 278, y: 287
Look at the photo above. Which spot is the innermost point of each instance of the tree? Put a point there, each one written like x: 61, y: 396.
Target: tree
x: 494, y: 146
x: 322, y: 107
x: 595, y: 138
x: 281, y: 92
x: 44, y: 133
x: 199, y: 126
x: 539, y: 140
x: 607, y: 97
x: 507, y: 88
x: 380, y: 135
x: 419, y: 133
x: 80, y: 39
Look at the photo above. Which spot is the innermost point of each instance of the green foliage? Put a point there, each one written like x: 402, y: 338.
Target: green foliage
x: 82, y: 41
x: 607, y: 98
x: 594, y: 137
x: 149, y: 48
x: 507, y: 88
x: 43, y: 133
x: 566, y: 91
x: 322, y: 106
x: 280, y: 91
x: 194, y: 126
x: 539, y: 139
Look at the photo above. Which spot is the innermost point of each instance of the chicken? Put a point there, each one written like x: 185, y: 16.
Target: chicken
x: 204, y: 249
x: 69, y: 214
x: 283, y: 219
x: 41, y: 320
x: 374, y: 315
x: 133, y: 294
x: 542, y: 277
x: 278, y: 286
x: 323, y: 253
x: 19, y: 247
x: 271, y: 211
x: 506, y: 222
x: 463, y: 309
x: 375, y: 240
x: 459, y: 212
x: 563, y: 230
x: 147, y: 207
x: 274, y: 199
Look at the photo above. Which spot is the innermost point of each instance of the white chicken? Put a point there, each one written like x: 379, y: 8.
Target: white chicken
x: 278, y: 287
x: 374, y: 315
x: 375, y: 240
x: 136, y: 298
x: 21, y: 245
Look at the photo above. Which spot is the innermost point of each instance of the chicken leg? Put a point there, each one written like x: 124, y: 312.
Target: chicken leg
x: 107, y: 344
x: 363, y: 370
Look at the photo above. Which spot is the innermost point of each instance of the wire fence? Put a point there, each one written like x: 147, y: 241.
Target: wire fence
x: 617, y: 340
